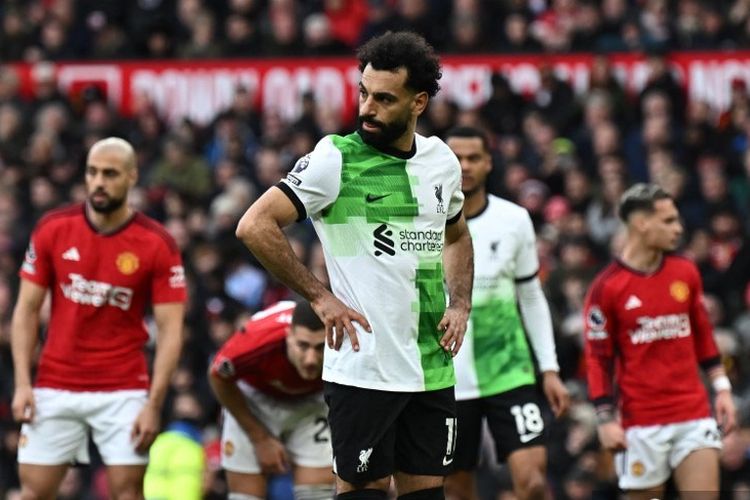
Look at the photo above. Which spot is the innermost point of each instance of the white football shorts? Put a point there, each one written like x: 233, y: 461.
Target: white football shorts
x: 654, y: 451
x: 301, y: 425
x: 60, y: 429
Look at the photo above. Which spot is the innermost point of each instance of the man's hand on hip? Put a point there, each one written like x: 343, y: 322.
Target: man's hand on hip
x: 339, y: 319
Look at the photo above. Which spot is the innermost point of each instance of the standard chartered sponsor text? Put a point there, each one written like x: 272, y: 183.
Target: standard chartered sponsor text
x: 421, y: 241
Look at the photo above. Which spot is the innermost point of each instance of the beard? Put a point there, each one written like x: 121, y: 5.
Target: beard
x: 106, y: 206
x: 387, y: 134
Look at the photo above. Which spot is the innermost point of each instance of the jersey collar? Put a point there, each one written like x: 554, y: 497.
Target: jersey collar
x: 638, y: 271
x: 391, y: 151
x: 114, y: 231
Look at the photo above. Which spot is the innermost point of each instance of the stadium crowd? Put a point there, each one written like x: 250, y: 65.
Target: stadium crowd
x: 564, y: 157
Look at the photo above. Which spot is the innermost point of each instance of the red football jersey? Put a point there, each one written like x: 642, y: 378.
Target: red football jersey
x: 257, y: 355
x: 100, y: 285
x: 654, y: 331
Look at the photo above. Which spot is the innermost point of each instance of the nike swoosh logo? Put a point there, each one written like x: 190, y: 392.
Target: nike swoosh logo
x: 446, y: 461
x: 525, y: 438
x: 374, y: 197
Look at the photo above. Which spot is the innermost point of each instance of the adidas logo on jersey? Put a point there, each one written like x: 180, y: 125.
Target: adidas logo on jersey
x: 633, y: 303
x: 71, y: 254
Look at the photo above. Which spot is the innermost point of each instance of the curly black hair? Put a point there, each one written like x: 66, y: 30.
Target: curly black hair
x: 394, y: 50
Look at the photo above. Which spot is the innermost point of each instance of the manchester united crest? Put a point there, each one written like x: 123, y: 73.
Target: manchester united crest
x: 127, y: 263
x: 228, y: 448
x: 637, y: 468
x: 679, y: 291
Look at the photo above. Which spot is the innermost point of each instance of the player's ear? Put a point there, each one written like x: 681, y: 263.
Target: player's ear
x: 133, y: 174
x: 420, y: 102
x: 638, y: 221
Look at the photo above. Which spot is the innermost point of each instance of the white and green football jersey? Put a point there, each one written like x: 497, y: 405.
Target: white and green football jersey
x: 495, y: 355
x: 381, y: 220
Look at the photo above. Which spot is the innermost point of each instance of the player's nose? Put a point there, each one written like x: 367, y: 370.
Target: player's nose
x: 367, y: 108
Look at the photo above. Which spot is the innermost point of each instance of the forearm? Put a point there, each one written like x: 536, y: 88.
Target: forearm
x: 599, y: 373
x: 538, y: 322
x: 230, y: 397
x: 168, y: 348
x: 23, y: 341
x: 265, y: 239
x: 458, y: 261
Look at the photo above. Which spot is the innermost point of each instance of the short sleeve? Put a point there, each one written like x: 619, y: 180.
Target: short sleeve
x: 37, y: 262
x: 314, y: 182
x: 456, y: 201
x: 237, y: 357
x: 527, y: 260
x: 168, y: 283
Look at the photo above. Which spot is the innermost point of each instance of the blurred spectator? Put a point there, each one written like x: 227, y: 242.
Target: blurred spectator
x: 176, y: 459
x: 15, y: 36
x: 515, y: 35
x: 554, y: 99
x: 554, y: 27
x: 242, y: 36
x: 466, y: 33
x: 346, y: 19
x: 282, y: 35
x: 380, y: 18
x: 655, y: 22
x: 587, y: 28
x: 426, y: 18
x: 502, y: 111
x: 318, y: 38
x: 203, y: 43
x: 181, y: 170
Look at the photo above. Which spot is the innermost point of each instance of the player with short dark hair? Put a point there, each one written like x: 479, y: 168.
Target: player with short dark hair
x: 495, y: 379
x: 646, y: 327
x: 267, y: 377
x: 386, y: 204
x: 103, y: 264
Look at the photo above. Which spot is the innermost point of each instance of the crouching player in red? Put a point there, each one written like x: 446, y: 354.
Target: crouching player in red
x: 268, y: 378
x: 646, y: 327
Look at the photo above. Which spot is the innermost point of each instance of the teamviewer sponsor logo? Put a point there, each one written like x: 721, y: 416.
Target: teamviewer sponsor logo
x: 383, y: 241
x: 665, y: 327
x: 96, y: 293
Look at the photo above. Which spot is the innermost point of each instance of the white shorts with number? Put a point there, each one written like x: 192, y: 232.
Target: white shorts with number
x: 655, y: 451
x: 301, y: 425
x: 60, y: 429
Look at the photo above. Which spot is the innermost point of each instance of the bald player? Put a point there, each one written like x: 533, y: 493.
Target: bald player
x: 102, y: 263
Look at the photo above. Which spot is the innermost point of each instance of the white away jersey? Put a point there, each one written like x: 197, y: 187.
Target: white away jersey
x: 381, y: 220
x: 495, y: 355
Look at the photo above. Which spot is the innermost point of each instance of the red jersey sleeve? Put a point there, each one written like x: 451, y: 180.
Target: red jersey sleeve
x: 234, y: 359
x: 599, y: 344
x: 37, y: 263
x: 168, y: 283
x: 703, y: 335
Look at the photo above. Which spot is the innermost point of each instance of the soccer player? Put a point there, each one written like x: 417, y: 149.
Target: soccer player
x: 103, y: 264
x: 645, y: 325
x: 495, y: 377
x: 267, y: 376
x: 386, y: 204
